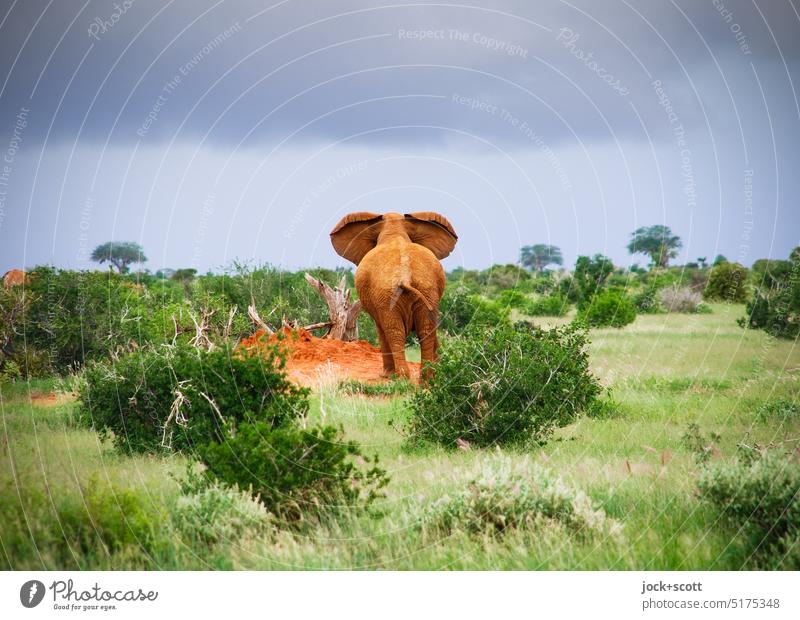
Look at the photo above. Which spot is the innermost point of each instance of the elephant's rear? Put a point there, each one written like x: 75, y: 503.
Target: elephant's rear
x: 396, y: 270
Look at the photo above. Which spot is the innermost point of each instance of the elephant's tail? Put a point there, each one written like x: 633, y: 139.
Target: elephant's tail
x: 421, y: 297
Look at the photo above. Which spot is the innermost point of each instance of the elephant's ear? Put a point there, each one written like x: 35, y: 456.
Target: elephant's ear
x: 433, y: 231
x: 356, y: 234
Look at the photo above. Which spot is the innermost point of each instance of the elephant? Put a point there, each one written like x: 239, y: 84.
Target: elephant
x: 399, y: 278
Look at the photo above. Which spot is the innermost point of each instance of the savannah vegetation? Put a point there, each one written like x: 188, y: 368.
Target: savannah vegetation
x: 599, y: 418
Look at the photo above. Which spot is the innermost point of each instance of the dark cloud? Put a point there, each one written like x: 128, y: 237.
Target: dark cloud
x: 563, y: 122
x: 343, y: 68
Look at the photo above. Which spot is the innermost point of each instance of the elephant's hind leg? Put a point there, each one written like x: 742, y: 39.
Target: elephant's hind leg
x: 395, y: 335
x: 425, y: 324
x: 386, y: 353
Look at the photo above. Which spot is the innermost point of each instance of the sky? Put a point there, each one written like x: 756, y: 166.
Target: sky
x: 213, y: 131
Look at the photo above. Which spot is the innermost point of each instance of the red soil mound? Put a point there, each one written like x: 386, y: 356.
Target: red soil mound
x: 313, y: 361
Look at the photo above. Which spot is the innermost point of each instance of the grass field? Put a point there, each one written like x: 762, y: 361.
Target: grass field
x: 665, y: 371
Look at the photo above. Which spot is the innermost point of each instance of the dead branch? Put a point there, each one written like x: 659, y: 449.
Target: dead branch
x: 256, y: 318
x: 343, y: 314
x: 201, y: 339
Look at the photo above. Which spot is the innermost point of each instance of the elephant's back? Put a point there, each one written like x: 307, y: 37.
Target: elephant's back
x: 389, y: 265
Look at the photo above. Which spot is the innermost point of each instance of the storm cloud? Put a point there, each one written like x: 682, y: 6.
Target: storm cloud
x: 213, y: 131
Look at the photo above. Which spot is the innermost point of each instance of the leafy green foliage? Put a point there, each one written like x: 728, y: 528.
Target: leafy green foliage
x: 776, y: 309
x: 113, y: 517
x: 180, y: 397
x: 727, y: 282
x: 759, y: 495
x: 508, y: 385
x: 549, y: 305
x: 646, y: 301
x: 459, y: 308
x: 779, y: 410
x: 590, y: 277
x: 703, y: 447
x: 608, y: 309
x: 513, y: 298
x: 294, y: 471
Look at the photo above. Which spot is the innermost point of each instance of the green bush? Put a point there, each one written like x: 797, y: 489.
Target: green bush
x: 111, y: 518
x: 727, y: 282
x: 460, y: 308
x: 646, y: 301
x: 498, y: 497
x: 507, y: 385
x: 608, y: 309
x: 513, y: 298
x: 759, y: 496
x: 180, y: 397
x: 208, y: 513
x: 779, y: 410
x: 293, y: 471
x: 775, y: 308
x: 590, y: 277
x: 551, y: 305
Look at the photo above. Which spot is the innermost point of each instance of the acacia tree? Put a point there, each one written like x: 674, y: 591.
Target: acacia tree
x: 537, y: 257
x: 657, y: 242
x: 119, y: 253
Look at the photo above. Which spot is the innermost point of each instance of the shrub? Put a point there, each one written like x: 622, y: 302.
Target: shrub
x: 608, y: 309
x: 776, y: 308
x: 294, y: 471
x: 646, y: 301
x: 778, y: 410
x: 605, y: 408
x: 498, y: 497
x: 111, y: 518
x: 460, y: 308
x: 513, y: 298
x: 80, y: 315
x: 508, y: 385
x: 591, y: 276
x: 209, y: 513
x: 178, y: 397
x: 552, y: 305
x: 727, y: 282
x: 760, y: 497
x: 501, y: 277
x: 701, y: 446
x: 681, y: 300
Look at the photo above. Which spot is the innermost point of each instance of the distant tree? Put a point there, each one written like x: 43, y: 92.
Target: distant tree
x: 702, y: 261
x: 657, y: 242
x: 537, y: 257
x: 720, y: 259
x: 184, y: 275
x: 165, y: 274
x: 119, y: 253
